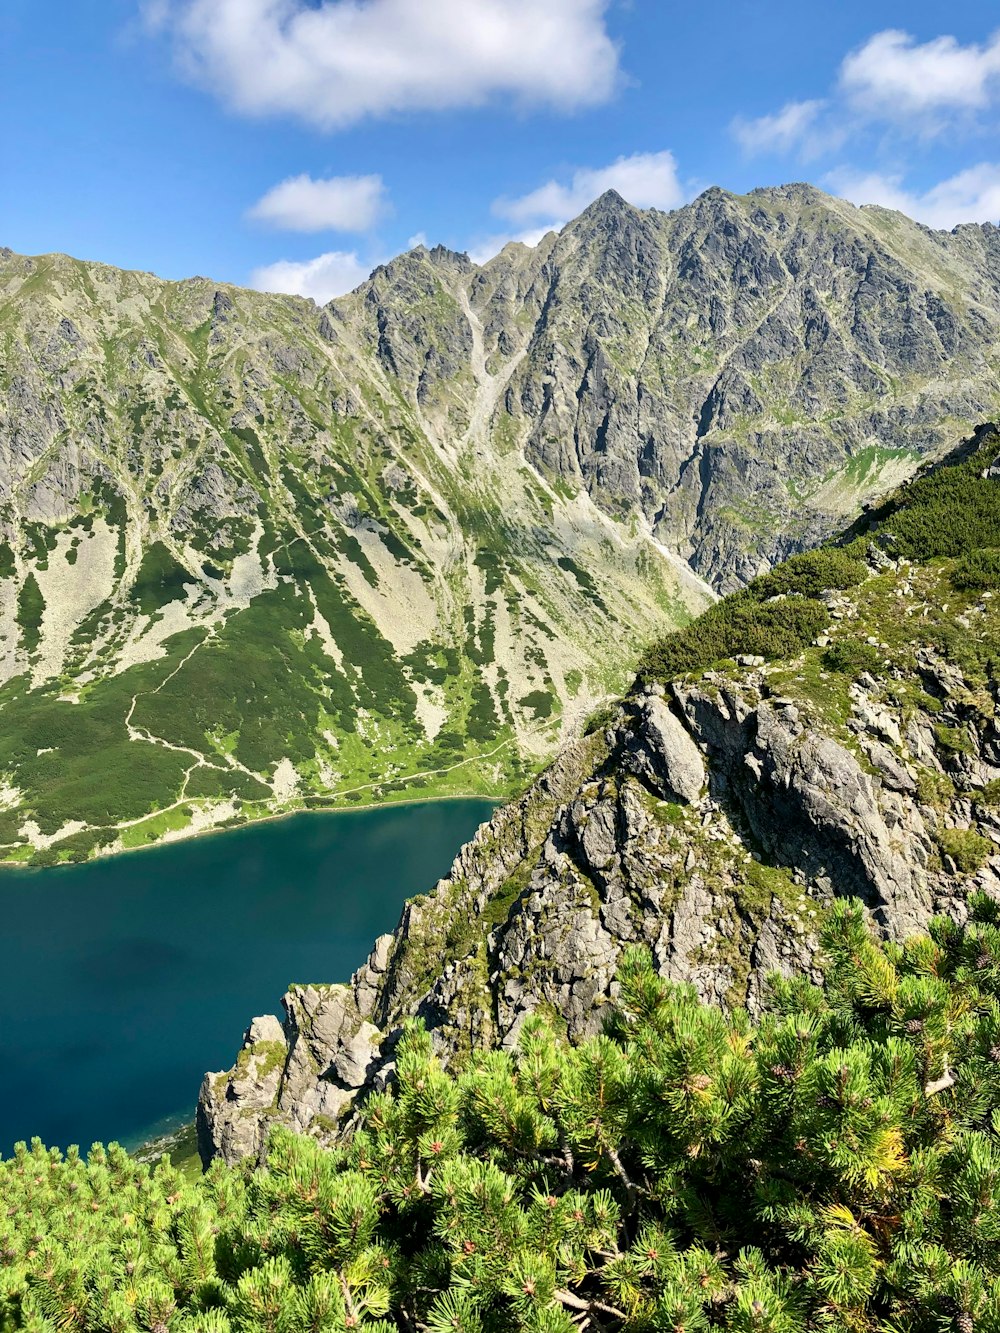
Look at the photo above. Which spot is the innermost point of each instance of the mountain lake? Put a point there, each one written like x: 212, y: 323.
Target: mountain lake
x: 126, y: 978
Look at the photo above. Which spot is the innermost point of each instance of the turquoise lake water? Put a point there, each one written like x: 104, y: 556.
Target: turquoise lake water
x: 124, y: 980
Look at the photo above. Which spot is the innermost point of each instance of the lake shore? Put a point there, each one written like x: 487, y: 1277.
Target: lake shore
x: 192, y: 832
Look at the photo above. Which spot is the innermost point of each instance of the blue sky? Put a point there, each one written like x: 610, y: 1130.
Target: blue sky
x: 293, y: 144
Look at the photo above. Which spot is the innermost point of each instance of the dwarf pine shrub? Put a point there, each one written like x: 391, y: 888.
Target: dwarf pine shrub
x: 835, y: 1166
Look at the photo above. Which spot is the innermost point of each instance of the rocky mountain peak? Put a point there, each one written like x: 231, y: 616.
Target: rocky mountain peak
x: 440, y: 254
x: 451, y: 495
x: 608, y: 215
x: 610, y: 204
x: 799, y: 192
x: 438, y: 258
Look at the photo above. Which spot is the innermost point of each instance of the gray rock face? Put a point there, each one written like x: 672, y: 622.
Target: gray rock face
x: 808, y: 802
x: 712, y: 824
x: 305, y: 1071
x: 667, y: 757
x: 717, y: 367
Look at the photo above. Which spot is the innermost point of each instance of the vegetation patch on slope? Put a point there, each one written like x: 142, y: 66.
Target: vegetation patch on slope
x: 951, y: 511
x: 773, y: 617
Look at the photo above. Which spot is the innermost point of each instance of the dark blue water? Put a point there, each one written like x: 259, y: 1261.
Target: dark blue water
x: 123, y: 980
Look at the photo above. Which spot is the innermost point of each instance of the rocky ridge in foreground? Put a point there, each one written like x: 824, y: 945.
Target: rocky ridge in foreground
x: 712, y: 818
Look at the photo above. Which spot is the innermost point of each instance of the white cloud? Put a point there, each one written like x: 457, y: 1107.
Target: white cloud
x: 155, y: 13
x: 892, y: 80
x: 335, y: 62
x: 648, y: 180
x: 418, y: 238
x: 972, y: 195
x: 794, y: 126
x: 340, y: 203
x: 322, y: 278
x: 892, y: 76
x: 871, y: 187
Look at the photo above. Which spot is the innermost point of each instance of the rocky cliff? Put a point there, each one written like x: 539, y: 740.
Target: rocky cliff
x: 255, y: 555
x: 711, y: 816
x: 739, y: 371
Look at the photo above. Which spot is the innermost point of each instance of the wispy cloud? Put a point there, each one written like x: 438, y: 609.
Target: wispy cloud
x: 484, y: 248
x: 793, y: 127
x: 888, y: 91
x: 339, y: 203
x: 648, y: 180
x: 328, y: 275
x: 891, y: 84
x: 337, y: 62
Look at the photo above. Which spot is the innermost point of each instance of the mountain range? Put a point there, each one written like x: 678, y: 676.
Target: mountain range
x: 257, y: 555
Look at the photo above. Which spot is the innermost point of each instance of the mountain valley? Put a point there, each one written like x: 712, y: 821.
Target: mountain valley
x: 702, y: 1028
x: 260, y: 556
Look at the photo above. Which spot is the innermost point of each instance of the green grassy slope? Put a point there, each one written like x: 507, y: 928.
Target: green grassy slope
x: 241, y: 572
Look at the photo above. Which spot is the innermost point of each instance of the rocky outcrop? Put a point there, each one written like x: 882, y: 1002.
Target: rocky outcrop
x: 336, y: 1040
x: 711, y: 822
x: 665, y: 755
x: 807, y: 802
